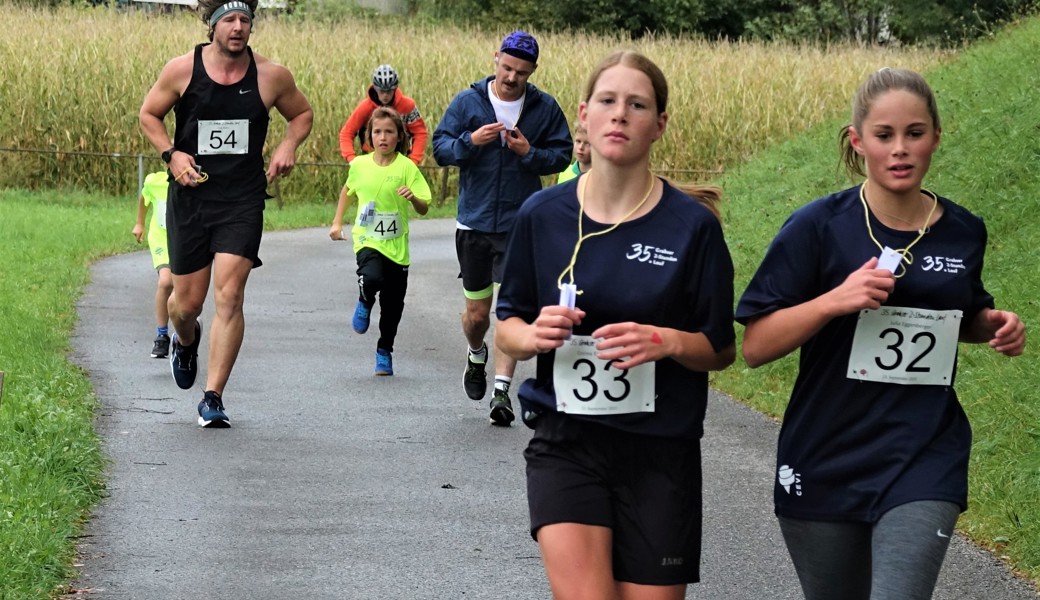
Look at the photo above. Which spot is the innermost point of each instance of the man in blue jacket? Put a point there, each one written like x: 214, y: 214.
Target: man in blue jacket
x: 504, y: 134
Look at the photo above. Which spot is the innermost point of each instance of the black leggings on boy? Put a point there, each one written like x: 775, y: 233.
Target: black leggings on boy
x: 382, y: 277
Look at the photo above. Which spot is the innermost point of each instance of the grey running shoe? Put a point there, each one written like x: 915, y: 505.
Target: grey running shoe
x: 161, y: 346
x: 475, y: 378
x: 501, y: 409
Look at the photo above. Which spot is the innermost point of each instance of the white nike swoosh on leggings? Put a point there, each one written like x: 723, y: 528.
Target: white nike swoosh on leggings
x: 939, y: 533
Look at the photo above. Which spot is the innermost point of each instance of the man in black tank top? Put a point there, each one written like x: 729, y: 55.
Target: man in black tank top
x: 221, y: 94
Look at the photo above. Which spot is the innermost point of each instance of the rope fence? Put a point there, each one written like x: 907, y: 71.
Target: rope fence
x: 433, y: 173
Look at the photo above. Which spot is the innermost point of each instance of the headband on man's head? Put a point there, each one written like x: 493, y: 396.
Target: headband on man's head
x: 234, y: 6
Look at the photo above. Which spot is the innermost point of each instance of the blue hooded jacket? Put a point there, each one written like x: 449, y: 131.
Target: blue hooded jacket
x: 493, y: 180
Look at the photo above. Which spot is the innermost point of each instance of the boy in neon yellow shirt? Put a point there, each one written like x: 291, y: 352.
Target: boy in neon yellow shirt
x: 154, y: 194
x: 386, y: 183
x: 582, y: 156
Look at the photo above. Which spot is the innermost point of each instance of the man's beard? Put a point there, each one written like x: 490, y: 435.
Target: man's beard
x: 226, y: 51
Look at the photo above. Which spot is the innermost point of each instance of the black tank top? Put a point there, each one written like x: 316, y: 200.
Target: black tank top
x: 213, y: 122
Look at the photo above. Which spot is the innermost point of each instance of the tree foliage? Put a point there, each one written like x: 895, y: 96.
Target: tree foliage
x: 932, y: 22
x: 924, y: 22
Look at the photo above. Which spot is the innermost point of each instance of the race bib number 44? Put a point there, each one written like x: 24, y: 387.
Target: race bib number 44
x: 386, y: 226
x: 229, y: 136
x: 906, y: 346
x: 587, y: 385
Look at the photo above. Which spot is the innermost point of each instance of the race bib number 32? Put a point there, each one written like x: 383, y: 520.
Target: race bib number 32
x: 586, y: 385
x: 230, y: 136
x: 906, y: 346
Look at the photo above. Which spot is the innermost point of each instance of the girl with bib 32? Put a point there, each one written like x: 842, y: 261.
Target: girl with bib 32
x: 875, y: 285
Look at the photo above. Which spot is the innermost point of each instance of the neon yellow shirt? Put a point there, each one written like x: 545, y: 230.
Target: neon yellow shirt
x: 388, y: 231
x: 154, y: 194
x: 569, y: 173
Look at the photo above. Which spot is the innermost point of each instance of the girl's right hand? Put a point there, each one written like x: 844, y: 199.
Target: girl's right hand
x: 138, y: 232
x: 553, y: 327
x: 336, y: 233
x: 865, y: 288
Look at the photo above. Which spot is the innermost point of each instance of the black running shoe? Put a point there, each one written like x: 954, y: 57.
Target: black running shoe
x: 211, y: 412
x: 501, y: 409
x: 475, y: 378
x: 161, y: 346
x: 184, y: 360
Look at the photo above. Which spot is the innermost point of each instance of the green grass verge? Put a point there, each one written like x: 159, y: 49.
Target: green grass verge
x: 50, y: 459
x: 986, y: 162
x: 51, y: 464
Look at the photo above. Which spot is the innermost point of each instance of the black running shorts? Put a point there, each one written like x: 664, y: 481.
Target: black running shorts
x: 646, y: 489
x: 198, y: 229
x: 480, y: 261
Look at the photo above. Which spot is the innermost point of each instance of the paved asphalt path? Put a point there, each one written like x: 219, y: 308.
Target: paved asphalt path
x: 335, y: 484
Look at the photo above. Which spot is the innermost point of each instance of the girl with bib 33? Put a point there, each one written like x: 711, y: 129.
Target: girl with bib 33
x: 875, y: 285
x: 621, y: 285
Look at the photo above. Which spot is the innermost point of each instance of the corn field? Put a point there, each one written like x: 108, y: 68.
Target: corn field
x: 73, y: 80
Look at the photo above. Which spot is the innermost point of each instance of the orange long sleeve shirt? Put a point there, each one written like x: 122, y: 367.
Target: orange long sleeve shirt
x: 409, y: 112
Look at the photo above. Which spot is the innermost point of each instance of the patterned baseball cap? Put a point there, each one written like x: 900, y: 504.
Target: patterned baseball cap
x: 521, y: 45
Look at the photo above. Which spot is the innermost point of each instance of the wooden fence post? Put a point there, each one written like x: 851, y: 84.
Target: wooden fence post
x: 444, y: 184
x: 277, y: 192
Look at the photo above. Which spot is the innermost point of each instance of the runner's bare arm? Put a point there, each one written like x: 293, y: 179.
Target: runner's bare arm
x: 159, y: 101
x: 1004, y: 331
x: 291, y: 104
x: 632, y: 344
x: 521, y: 340
x: 779, y: 333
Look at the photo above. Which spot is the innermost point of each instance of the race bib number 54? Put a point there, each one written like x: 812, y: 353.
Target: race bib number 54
x: 586, y: 385
x: 229, y: 136
x: 907, y: 346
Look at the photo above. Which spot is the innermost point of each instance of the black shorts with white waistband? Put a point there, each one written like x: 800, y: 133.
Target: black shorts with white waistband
x: 645, y: 489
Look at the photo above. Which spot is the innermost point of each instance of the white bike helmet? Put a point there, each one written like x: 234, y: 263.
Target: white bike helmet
x: 384, y: 78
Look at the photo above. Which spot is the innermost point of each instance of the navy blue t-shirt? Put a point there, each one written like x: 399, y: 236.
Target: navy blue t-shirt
x: 669, y: 268
x: 851, y: 449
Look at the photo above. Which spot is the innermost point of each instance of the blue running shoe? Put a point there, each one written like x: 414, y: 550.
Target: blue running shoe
x: 211, y: 412
x: 384, y: 362
x: 361, y: 317
x: 184, y: 360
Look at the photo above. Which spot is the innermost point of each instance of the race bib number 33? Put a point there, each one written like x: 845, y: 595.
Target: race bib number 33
x: 229, y: 136
x: 587, y: 385
x: 906, y: 346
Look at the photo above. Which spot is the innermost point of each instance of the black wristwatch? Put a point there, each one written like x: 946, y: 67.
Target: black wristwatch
x: 167, y: 155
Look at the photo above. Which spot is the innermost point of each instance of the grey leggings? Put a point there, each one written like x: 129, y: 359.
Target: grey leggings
x: 897, y: 558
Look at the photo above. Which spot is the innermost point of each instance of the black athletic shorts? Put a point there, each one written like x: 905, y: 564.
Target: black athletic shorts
x: 480, y: 261
x: 198, y: 229
x: 646, y: 489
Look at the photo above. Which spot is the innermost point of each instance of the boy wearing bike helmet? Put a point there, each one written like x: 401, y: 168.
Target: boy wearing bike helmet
x: 384, y: 91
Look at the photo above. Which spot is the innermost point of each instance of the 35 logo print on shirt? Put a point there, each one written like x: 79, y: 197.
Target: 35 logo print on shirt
x: 942, y: 264
x: 651, y: 254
